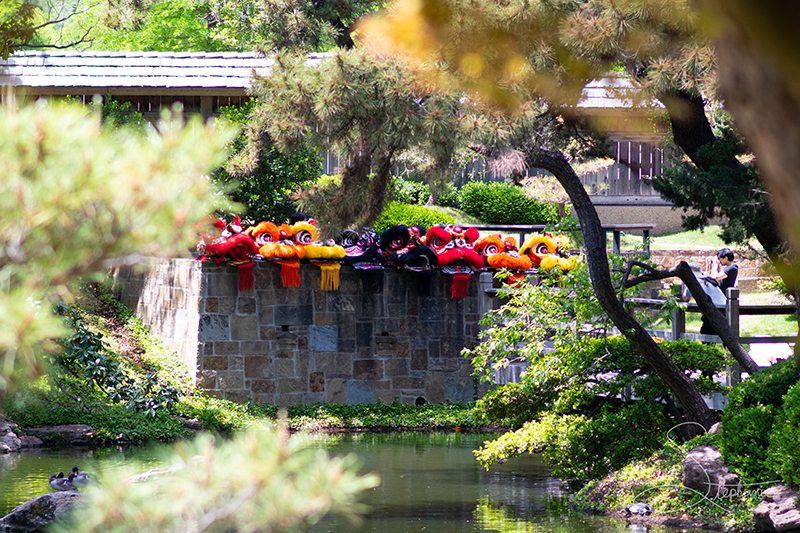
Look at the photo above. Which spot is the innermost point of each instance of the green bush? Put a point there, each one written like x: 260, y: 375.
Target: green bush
x: 745, y: 440
x: 502, y: 203
x: 784, y: 448
x: 410, y: 215
x: 409, y: 192
x: 449, y: 197
x: 767, y: 387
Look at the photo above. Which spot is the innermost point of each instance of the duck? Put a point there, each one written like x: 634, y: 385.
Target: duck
x: 79, y: 478
x: 60, y: 483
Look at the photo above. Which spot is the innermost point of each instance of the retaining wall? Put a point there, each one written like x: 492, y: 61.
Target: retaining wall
x: 304, y: 345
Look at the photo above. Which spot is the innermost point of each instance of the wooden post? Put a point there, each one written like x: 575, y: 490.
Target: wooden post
x: 732, y: 314
x: 678, y: 323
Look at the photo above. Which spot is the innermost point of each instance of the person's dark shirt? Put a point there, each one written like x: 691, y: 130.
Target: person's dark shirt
x: 731, y: 271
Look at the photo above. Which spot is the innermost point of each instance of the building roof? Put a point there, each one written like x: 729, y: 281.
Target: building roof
x: 58, y: 72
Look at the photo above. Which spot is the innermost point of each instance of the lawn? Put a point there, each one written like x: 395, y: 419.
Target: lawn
x: 707, y: 239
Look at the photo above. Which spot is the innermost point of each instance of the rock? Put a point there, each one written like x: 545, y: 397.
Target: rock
x: 74, y: 434
x: 9, y: 442
x: 704, y: 472
x: 638, y: 508
x: 779, y: 510
x: 29, y: 441
x: 37, y: 514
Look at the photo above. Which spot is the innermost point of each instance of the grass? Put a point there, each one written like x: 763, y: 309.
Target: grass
x: 707, y: 239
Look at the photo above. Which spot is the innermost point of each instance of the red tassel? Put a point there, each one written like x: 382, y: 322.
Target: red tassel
x: 246, y: 277
x: 290, y: 273
x: 460, y: 285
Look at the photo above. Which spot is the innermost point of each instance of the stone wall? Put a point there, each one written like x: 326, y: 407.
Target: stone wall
x: 304, y: 345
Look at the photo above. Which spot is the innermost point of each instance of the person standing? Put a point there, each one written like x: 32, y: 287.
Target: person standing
x: 724, y: 272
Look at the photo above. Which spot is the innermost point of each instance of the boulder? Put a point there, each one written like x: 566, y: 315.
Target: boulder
x: 9, y: 442
x: 29, y: 441
x: 73, y: 434
x: 37, y: 514
x: 704, y: 472
x: 779, y: 510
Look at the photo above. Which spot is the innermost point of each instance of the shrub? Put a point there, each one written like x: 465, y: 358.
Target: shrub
x: 409, y: 192
x: 449, y: 197
x: 410, y: 215
x: 502, y: 203
x: 767, y: 387
x: 745, y: 440
x: 784, y: 448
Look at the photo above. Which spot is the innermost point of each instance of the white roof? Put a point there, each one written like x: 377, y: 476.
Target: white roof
x: 64, y: 69
x: 614, y: 91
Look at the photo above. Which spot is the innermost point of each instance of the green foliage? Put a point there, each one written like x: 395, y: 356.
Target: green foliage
x: 88, y: 364
x: 265, y: 188
x: 17, y: 22
x: 503, y: 203
x: 167, y: 25
x: 260, y: 480
x: 409, y: 192
x: 737, y: 193
x: 745, y: 439
x: 590, y: 403
x: 766, y: 388
x: 581, y: 447
x: 410, y: 215
x: 376, y: 416
x: 75, y: 196
x: 784, y: 447
x: 449, y: 197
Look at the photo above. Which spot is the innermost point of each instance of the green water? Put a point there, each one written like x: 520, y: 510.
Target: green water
x: 429, y: 483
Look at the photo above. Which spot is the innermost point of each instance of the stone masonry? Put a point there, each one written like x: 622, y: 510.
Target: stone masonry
x: 304, y: 345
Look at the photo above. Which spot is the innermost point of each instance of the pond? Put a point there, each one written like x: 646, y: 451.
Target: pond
x: 430, y: 482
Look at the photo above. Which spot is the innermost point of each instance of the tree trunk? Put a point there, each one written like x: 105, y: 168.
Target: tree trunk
x: 694, y: 407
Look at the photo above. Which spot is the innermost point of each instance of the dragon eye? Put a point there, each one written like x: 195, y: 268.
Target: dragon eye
x: 438, y: 242
x: 263, y: 238
x: 490, y: 249
x: 304, y: 237
x: 397, y: 243
x: 541, y: 249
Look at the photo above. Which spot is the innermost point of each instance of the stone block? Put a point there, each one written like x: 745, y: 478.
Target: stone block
x: 454, y: 324
x: 333, y: 363
x: 266, y: 315
x: 215, y: 363
x: 363, y: 334
x: 226, y: 348
x: 316, y: 382
x: 396, y: 367
x: 290, y: 385
x: 254, y: 348
x: 238, y: 396
x: 419, y: 360
x: 302, y: 342
x: 284, y: 368
x: 459, y: 388
x: 443, y: 364
x: 336, y: 390
x: 341, y: 303
x: 257, y: 367
x: 235, y: 362
x: 212, y: 305
x: 311, y: 398
x: 262, y: 277
x: 206, y: 379
x: 267, y: 333
x: 360, y: 392
x: 369, y: 369
x: 407, y: 382
x: 430, y: 309
x: 222, y: 284
x: 263, y: 386
x: 294, y: 315
x: 346, y: 324
x: 387, y: 396
x: 214, y: 328
x: 218, y: 394
x: 434, y: 387
x: 346, y: 345
x: 432, y: 328
x: 368, y: 306
x: 325, y: 319
x: 288, y: 400
x: 227, y: 306
x: 230, y: 380
x: 402, y: 349
x: 244, y: 327
x: 301, y: 363
x: 246, y: 306
x: 264, y: 399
